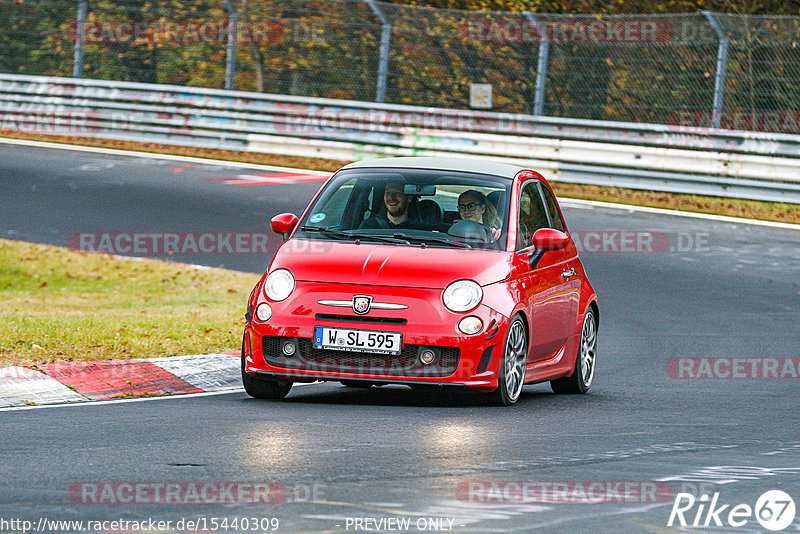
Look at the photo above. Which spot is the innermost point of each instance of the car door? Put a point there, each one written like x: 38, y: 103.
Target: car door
x: 572, y: 280
x: 550, y: 291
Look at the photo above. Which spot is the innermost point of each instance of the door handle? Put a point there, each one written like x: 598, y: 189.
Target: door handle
x: 567, y: 274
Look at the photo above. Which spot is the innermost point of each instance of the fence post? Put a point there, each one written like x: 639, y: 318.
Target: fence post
x: 383, y: 62
x: 230, y: 59
x: 80, y: 37
x: 541, y: 64
x: 722, y: 63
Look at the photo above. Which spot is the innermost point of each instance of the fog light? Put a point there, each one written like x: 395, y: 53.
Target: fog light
x: 470, y: 325
x: 288, y: 348
x: 427, y: 356
x: 263, y: 312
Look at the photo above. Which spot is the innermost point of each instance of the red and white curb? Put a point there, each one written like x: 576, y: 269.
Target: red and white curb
x: 58, y: 383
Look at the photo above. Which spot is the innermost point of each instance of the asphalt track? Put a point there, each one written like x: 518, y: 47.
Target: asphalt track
x: 390, y: 452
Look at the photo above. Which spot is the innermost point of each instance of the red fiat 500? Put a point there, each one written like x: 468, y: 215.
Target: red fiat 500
x: 425, y: 272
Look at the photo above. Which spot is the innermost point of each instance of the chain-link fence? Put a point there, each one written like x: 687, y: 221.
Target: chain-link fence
x: 700, y: 69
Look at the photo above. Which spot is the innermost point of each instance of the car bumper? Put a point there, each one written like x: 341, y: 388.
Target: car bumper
x: 425, y: 324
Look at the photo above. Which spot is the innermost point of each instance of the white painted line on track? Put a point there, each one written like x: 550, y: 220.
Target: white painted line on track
x: 237, y: 389
x: 154, y: 155
x: 663, y: 211
x: 223, y: 163
x: 594, y: 515
x: 122, y: 401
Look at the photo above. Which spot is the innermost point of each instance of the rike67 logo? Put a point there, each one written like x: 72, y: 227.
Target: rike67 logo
x: 774, y: 510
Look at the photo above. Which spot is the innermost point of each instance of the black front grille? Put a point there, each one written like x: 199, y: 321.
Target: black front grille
x: 308, y: 358
x: 359, y: 319
x: 272, y: 346
x: 486, y: 357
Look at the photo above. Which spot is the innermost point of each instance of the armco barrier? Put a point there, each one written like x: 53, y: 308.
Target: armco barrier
x: 749, y: 165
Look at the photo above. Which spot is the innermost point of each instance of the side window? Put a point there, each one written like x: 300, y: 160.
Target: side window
x: 552, y: 208
x: 532, y: 215
x: 369, y: 202
x: 334, y: 207
x: 358, y: 207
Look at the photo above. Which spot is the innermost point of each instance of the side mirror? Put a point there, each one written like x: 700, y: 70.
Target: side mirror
x: 283, y: 224
x: 545, y: 239
x: 550, y: 239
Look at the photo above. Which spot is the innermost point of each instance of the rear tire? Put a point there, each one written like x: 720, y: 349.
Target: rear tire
x: 585, y: 360
x: 263, y: 388
x: 511, y: 375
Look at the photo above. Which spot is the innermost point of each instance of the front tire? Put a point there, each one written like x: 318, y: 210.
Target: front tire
x: 585, y: 360
x: 263, y: 388
x: 512, y: 366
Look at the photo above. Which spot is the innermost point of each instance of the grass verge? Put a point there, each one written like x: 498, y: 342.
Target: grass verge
x: 58, y: 305
x: 751, y: 209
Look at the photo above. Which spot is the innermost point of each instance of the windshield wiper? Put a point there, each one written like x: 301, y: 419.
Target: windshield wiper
x: 429, y: 239
x: 332, y: 232
x: 396, y: 239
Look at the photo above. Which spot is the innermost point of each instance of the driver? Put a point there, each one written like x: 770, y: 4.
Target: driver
x: 396, y: 216
x: 473, y: 206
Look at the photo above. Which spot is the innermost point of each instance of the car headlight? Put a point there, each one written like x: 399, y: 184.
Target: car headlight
x: 263, y: 312
x: 462, y: 295
x: 470, y: 325
x: 279, y: 285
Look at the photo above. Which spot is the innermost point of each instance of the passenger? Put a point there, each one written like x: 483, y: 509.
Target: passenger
x: 396, y: 216
x: 473, y: 206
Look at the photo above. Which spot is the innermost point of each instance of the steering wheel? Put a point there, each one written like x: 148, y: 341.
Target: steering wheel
x: 471, y: 231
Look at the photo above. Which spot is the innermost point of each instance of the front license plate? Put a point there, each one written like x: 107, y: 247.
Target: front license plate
x: 360, y: 340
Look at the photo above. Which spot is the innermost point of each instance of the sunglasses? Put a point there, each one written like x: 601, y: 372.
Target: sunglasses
x: 469, y: 207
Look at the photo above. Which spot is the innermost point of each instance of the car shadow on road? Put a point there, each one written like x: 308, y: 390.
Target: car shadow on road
x: 393, y: 395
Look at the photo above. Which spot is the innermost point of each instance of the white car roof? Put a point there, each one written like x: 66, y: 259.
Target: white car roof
x: 440, y: 163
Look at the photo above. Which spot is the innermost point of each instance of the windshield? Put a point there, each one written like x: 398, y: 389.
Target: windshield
x: 412, y: 207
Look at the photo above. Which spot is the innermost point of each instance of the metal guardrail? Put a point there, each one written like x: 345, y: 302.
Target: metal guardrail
x: 752, y: 165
